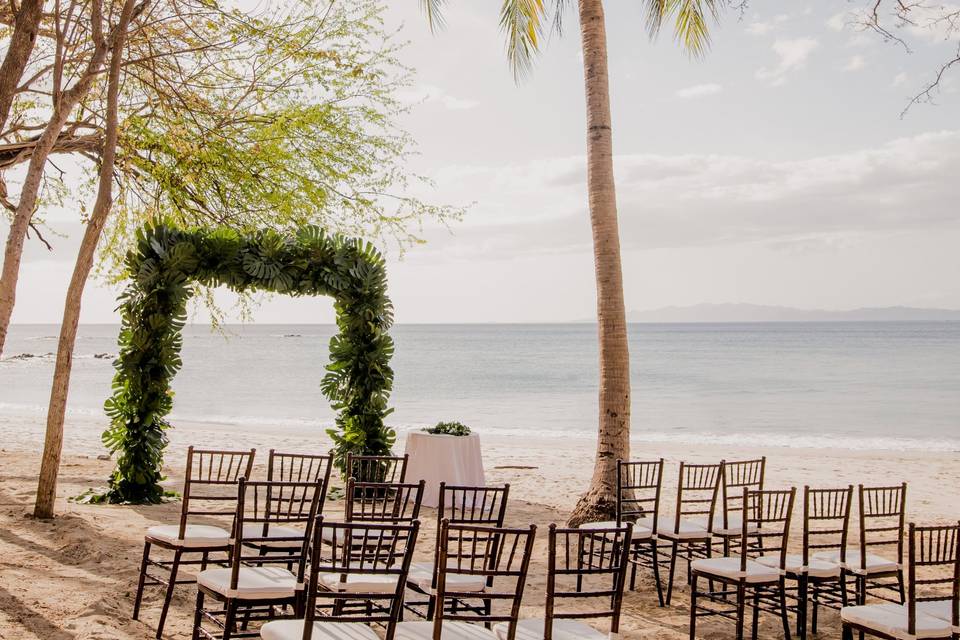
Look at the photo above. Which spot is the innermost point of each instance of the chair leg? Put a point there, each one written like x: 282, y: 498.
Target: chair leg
x: 802, y: 589
x: 174, y: 569
x: 142, y: 580
x: 861, y: 590
x: 656, y: 570
x: 673, y: 568
x: 693, y: 608
x: 816, y: 608
x: 755, y: 618
x: 197, y: 616
x: 634, y: 558
x: 847, y: 632
x: 230, y: 621
x: 782, y: 588
x: 741, y: 605
x: 903, y: 597
x: 431, y: 606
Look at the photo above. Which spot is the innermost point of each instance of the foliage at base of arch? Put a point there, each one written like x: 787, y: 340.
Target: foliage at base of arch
x: 164, y: 266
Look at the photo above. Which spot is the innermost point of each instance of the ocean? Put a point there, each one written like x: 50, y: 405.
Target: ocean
x: 849, y: 385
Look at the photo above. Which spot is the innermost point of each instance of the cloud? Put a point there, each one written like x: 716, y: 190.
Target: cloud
x: 709, y: 200
x: 793, y: 54
x: 841, y: 21
x: 700, y: 90
x: 430, y: 94
x: 899, y: 79
x: 855, y: 63
x: 764, y: 27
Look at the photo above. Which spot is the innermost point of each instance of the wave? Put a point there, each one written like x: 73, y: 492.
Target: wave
x: 753, y: 439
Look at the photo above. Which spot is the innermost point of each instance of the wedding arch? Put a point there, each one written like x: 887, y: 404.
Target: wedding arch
x: 166, y: 264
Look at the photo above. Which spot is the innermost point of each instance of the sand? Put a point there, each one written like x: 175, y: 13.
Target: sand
x: 74, y: 577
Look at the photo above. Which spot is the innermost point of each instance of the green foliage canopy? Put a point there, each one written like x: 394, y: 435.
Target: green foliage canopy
x: 165, y: 266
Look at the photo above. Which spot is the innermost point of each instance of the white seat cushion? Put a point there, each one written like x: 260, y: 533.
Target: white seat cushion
x: 453, y: 630
x: 421, y: 575
x: 730, y: 568
x: 293, y: 630
x: 939, y: 609
x: 640, y: 531
x: 195, y: 536
x: 360, y: 582
x: 891, y: 619
x: 816, y: 568
x: 875, y: 563
x: 734, y: 525
x: 255, y: 530
x: 253, y: 582
x: 690, y: 529
x: 532, y: 629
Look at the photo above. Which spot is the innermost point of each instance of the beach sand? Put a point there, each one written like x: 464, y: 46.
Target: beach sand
x: 74, y: 577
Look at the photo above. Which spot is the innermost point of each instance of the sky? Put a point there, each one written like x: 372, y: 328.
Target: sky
x: 776, y: 170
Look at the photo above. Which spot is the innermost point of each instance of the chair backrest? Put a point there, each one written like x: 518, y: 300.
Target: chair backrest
x: 882, y: 519
x: 499, y: 555
x: 360, y: 552
x: 462, y: 504
x: 377, y: 468
x: 394, y: 502
x: 697, y: 491
x: 299, y: 467
x: 934, y: 550
x: 638, y: 491
x: 826, y: 520
x: 586, y: 565
x: 766, y: 524
x: 265, y: 504
x: 737, y: 475
x: 210, y: 486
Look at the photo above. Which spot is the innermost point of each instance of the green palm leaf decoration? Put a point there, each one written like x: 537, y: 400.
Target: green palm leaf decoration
x: 164, y: 265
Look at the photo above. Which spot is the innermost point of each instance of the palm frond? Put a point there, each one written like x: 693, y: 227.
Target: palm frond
x: 433, y: 9
x: 691, y: 26
x: 522, y: 23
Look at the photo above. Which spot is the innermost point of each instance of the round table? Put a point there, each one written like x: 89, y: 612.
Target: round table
x: 438, y: 458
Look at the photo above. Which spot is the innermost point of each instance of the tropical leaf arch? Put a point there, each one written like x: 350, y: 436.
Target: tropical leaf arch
x: 166, y: 264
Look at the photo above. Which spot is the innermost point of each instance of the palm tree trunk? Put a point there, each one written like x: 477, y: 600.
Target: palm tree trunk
x: 56, y: 412
x: 613, y: 440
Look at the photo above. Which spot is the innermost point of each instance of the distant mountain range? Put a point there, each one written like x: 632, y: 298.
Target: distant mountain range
x: 764, y: 313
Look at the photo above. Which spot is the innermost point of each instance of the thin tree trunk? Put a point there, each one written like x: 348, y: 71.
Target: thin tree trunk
x: 53, y: 442
x: 613, y: 439
x: 64, y: 104
x: 26, y: 25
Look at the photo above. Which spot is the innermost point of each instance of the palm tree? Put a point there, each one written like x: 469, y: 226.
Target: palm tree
x: 524, y: 23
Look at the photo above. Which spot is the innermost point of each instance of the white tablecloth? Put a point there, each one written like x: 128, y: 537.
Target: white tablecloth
x: 443, y: 458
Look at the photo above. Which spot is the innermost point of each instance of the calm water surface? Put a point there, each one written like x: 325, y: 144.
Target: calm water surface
x: 853, y: 385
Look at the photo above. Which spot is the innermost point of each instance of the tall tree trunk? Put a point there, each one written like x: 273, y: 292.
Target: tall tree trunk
x: 64, y: 104
x: 26, y: 25
x: 53, y: 442
x: 613, y: 440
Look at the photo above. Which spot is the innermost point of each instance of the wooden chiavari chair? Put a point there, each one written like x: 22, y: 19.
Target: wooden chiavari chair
x: 932, y: 608
x: 377, y: 468
x: 373, y: 572
x: 826, y: 522
x: 765, y: 532
x: 486, y: 553
x: 209, y: 493
x: 585, y: 565
x: 737, y: 476
x: 291, y: 467
x: 299, y: 467
x: 638, y: 502
x: 381, y: 502
x: 882, y: 514
x: 254, y: 581
x: 689, y: 531
x: 457, y: 505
